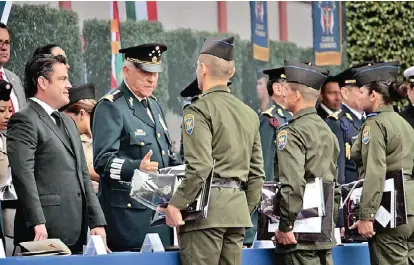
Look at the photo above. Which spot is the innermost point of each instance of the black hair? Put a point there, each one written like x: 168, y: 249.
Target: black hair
x: 3, y: 26
x: 328, y: 80
x: 390, y: 90
x: 45, y: 49
x: 40, y: 65
x: 270, y: 84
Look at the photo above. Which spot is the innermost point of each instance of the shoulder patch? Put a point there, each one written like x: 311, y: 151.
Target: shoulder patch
x: 189, y: 123
x: 281, y: 140
x: 112, y: 96
x: 366, y: 134
x: 269, y: 111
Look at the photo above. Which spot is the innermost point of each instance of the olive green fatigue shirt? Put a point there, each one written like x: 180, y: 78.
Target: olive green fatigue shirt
x: 220, y: 127
x: 384, y: 144
x: 306, y: 149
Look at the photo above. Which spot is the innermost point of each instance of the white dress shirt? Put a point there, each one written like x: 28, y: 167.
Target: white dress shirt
x: 140, y: 99
x: 326, y: 109
x: 12, y: 94
x: 355, y: 112
x: 49, y: 110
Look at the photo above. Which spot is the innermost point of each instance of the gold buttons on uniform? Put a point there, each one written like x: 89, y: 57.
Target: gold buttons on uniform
x: 129, y: 205
x: 142, y: 143
x: 163, y: 152
x: 372, y: 215
x: 159, y: 135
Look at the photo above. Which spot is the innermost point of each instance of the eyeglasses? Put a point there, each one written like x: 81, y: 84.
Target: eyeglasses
x: 5, y: 42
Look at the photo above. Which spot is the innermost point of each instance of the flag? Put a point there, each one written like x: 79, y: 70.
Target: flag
x: 116, y: 62
x: 5, y: 7
x: 136, y: 10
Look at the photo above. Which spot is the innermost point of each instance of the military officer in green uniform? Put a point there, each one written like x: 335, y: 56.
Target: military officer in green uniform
x: 130, y: 133
x: 221, y: 131
x: 272, y: 118
x: 385, y: 144
x: 306, y: 149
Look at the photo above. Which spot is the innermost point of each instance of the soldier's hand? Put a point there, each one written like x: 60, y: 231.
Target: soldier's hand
x: 146, y: 164
x: 173, y: 216
x: 287, y: 238
x: 365, y: 228
x: 40, y: 232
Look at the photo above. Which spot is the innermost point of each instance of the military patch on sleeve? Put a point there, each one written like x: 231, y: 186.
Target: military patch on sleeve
x: 366, y: 134
x: 282, y: 140
x: 189, y: 123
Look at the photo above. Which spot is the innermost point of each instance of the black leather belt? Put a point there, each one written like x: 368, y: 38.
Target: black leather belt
x: 226, y: 183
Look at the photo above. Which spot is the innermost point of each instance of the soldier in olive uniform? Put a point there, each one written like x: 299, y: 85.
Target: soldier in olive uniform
x: 130, y: 133
x: 385, y: 144
x: 408, y: 112
x: 191, y: 91
x: 346, y: 123
x: 222, y: 132
x: 306, y: 149
x: 270, y: 121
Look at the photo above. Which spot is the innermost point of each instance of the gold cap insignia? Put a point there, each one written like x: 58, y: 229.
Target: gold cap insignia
x: 350, y: 81
x: 154, y: 59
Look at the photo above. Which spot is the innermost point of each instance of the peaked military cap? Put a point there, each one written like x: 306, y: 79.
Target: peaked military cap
x: 409, y: 74
x: 5, y: 90
x: 221, y: 48
x: 347, y: 77
x: 305, y: 74
x: 78, y: 92
x: 146, y: 57
x: 192, y: 90
x: 275, y: 73
x: 376, y: 72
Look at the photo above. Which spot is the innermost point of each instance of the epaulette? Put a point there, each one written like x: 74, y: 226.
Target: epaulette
x: 269, y: 111
x: 112, y: 96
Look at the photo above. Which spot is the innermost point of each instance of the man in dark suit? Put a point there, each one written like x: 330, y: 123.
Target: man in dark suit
x: 130, y: 132
x: 54, y: 189
x: 330, y: 98
x: 17, y: 96
x: 408, y: 112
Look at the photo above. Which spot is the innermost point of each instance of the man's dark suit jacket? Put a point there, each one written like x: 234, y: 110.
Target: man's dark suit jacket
x: 408, y: 114
x: 50, y: 177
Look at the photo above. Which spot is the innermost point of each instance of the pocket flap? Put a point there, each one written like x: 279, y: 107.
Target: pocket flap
x: 121, y: 199
x: 49, y: 200
x: 409, y: 190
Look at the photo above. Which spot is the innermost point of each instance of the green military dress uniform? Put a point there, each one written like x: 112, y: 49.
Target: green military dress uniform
x: 385, y: 144
x: 219, y: 127
x: 306, y: 149
x: 124, y: 133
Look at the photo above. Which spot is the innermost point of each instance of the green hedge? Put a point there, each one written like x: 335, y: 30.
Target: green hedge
x: 31, y: 26
x: 381, y: 31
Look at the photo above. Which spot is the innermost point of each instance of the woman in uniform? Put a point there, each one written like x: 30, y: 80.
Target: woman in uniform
x: 6, y: 213
x: 385, y: 144
x: 81, y: 103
